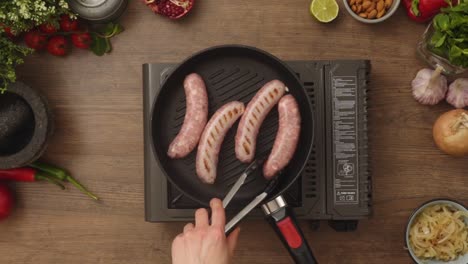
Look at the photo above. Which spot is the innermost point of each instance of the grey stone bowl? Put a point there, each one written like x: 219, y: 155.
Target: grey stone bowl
x: 26, y: 124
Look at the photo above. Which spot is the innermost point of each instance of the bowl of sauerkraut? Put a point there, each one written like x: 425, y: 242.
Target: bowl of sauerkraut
x: 437, y: 232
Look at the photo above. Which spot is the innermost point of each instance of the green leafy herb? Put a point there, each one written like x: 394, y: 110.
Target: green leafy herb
x: 450, y: 38
x: 22, y: 15
x: 11, y: 55
x: 101, y: 38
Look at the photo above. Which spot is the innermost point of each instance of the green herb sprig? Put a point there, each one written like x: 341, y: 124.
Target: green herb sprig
x: 101, y: 38
x: 22, y: 15
x: 11, y: 55
x: 450, y: 38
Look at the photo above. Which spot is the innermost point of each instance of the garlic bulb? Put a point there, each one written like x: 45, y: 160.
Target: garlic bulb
x: 458, y: 93
x: 429, y: 86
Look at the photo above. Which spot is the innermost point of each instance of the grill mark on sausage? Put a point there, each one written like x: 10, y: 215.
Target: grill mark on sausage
x: 255, y: 116
x: 207, y: 166
x: 246, y: 148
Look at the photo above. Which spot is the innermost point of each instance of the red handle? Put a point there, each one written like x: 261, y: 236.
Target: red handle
x: 290, y: 233
x: 287, y: 228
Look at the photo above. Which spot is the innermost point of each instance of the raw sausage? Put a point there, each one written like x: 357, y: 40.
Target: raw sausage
x: 287, y: 137
x: 256, y: 111
x: 195, y: 118
x: 212, y: 138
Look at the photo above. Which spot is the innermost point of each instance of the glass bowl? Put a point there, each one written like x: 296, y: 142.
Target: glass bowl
x: 434, y: 59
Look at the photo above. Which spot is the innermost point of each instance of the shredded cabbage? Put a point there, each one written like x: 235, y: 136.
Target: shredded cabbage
x: 439, y: 232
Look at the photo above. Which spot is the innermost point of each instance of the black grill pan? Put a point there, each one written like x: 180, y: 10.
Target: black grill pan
x: 230, y: 73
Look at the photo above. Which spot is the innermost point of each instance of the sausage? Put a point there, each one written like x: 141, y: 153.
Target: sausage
x: 287, y: 137
x: 212, y: 138
x: 256, y: 111
x: 195, y: 118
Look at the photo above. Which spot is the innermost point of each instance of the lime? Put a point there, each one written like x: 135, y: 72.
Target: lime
x: 324, y: 10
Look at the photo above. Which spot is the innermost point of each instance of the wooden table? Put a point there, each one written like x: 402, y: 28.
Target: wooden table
x: 99, y: 137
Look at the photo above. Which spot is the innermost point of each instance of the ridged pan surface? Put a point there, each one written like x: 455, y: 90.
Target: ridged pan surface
x: 230, y: 73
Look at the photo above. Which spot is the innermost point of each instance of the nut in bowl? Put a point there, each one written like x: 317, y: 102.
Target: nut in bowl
x: 371, y: 11
x: 437, y: 233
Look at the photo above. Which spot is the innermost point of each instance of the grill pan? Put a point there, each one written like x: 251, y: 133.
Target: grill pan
x: 230, y: 72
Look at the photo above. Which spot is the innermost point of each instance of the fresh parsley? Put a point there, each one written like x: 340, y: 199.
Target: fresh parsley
x: 450, y: 37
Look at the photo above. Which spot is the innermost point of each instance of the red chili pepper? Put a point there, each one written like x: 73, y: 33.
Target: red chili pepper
x: 424, y: 10
x: 27, y: 175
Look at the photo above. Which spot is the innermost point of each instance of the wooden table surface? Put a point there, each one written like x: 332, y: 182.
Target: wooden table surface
x: 99, y: 137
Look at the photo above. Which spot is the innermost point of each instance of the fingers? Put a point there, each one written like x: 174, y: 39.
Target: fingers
x: 201, y: 218
x: 232, y: 240
x: 218, y: 217
x: 188, y: 227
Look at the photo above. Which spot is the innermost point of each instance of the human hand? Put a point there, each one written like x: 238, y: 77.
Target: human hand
x: 205, y: 243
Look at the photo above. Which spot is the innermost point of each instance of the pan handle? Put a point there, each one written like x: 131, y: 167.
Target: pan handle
x: 284, y: 222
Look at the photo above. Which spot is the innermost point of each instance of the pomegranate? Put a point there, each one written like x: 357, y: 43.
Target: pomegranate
x: 173, y: 9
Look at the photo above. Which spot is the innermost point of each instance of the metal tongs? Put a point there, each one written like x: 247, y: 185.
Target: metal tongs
x: 256, y: 201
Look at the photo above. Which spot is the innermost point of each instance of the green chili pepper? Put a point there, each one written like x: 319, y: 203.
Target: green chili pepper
x: 62, y: 175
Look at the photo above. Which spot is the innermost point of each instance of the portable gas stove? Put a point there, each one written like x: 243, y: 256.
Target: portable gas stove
x: 336, y: 182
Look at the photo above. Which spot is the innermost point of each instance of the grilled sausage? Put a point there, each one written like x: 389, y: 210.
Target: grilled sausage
x: 287, y: 137
x: 256, y: 111
x: 212, y: 138
x: 195, y: 118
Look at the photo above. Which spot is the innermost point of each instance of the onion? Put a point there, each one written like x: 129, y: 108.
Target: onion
x: 451, y: 132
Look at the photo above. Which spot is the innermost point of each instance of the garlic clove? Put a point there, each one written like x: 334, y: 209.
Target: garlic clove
x: 458, y: 93
x: 429, y: 86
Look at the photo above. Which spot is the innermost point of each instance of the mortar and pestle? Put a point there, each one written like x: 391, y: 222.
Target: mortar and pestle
x: 26, y: 124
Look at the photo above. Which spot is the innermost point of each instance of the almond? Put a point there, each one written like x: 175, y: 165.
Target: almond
x: 380, y: 5
x: 359, y: 9
x: 372, y: 14
x: 388, y: 3
x: 358, y: 1
x: 352, y: 2
x: 380, y: 14
x: 371, y: 7
x: 363, y: 15
x: 366, y: 4
x: 354, y: 8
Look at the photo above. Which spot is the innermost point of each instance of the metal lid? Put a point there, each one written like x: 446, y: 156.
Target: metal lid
x: 98, y: 10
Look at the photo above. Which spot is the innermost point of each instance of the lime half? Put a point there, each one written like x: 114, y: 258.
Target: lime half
x: 324, y: 10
